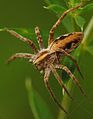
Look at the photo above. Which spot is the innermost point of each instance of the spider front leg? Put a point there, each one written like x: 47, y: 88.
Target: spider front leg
x: 71, y: 76
x: 20, y: 55
x: 59, y: 80
x: 46, y: 78
x: 30, y: 42
x: 39, y: 38
x: 58, y: 22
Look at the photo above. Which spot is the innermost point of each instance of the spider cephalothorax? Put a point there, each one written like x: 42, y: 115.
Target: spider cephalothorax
x: 48, y: 59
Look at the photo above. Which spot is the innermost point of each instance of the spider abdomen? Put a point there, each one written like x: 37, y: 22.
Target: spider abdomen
x: 68, y: 41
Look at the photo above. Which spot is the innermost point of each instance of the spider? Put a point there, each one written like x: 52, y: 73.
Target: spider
x: 49, y: 59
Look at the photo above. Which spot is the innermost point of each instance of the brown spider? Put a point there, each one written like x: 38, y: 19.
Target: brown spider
x: 48, y: 59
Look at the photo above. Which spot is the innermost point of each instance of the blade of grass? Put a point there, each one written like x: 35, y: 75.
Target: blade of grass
x: 88, y: 34
x: 38, y: 106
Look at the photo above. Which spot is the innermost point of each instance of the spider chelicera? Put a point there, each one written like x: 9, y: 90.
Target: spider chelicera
x: 48, y: 59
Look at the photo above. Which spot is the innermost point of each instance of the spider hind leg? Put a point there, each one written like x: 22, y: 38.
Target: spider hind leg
x: 59, y: 80
x: 71, y: 76
x: 46, y: 78
x: 73, y: 59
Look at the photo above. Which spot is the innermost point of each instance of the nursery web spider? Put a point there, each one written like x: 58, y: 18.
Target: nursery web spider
x: 48, y: 59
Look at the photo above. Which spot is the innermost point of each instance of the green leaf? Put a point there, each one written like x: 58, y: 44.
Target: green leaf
x: 80, y: 21
x: 68, y: 23
x: 87, y: 8
x: 38, y: 106
x: 56, y: 8
x: 90, y: 49
x: 88, y: 35
x: 1, y: 29
x: 72, y: 3
x: 49, y: 2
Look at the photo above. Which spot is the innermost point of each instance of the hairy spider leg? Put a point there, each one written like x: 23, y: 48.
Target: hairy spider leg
x: 58, y: 22
x: 39, y: 38
x: 46, y: 78
x: 71, y: 76
x: 73, y: 59
x: 30, y: 42
x: 59, y: 79
x: 20, y: 55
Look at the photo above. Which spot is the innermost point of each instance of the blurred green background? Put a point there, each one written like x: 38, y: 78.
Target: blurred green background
x: 14, y: 102
x: 13, y: 96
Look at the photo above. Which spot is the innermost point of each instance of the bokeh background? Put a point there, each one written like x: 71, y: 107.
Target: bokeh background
x: 13, y: 94
x: 14, y: 102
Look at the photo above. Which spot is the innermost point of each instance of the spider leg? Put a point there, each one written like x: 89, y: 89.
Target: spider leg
x: 31, y: 43
x: 20, y: 55
x: 39, y: 38
x: 59, y: 80
x: 73, y: 59
x: 46, y: 78
x: 58, y: 22
x: 71, y: 76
